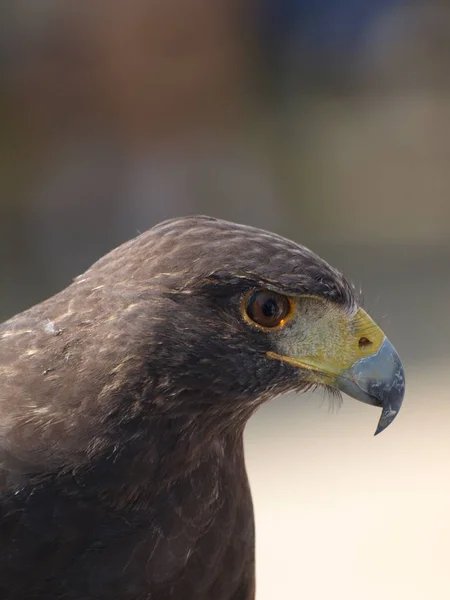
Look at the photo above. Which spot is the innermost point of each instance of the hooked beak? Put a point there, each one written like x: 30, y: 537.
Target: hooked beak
x: 378, y: 380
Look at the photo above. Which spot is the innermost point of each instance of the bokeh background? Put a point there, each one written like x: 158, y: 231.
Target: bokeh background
x: 325, y: 121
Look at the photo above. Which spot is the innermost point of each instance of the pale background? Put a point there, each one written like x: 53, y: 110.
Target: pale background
x: 325, y: 121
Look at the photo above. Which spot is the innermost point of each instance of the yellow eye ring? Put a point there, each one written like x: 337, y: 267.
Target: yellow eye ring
x: 267, y: 309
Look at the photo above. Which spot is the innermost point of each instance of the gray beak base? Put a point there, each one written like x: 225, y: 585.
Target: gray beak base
x: 378, y: 380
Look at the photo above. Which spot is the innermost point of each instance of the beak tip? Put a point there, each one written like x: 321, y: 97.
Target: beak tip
x: 388, y: 414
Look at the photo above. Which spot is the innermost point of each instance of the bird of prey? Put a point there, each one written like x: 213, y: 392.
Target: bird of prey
x: 124, y: 398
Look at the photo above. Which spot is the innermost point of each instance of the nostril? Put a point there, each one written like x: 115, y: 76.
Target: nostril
x: 364, y: 342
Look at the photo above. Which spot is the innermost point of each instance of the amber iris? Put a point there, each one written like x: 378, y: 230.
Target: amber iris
x: 267, y: 308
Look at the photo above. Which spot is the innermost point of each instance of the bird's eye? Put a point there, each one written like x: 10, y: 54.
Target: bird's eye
x: 268, y: 309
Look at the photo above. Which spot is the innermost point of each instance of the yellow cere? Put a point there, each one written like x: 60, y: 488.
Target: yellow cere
x: 325, y: 340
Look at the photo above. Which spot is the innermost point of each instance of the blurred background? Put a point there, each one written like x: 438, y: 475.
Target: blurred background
x: 327, y: 122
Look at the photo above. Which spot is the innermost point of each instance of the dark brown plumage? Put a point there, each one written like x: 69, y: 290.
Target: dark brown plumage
x: 123, y: 401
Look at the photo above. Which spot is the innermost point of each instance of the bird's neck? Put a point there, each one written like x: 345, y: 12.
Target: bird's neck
x: 170, y: 454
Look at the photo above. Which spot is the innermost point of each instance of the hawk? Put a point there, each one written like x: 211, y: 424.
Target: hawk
x: 124, y: 399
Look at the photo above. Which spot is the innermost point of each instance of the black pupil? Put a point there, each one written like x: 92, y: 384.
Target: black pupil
x: 270, y: 308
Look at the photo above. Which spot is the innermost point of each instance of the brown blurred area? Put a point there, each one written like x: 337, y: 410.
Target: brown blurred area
x: 335, y: 132
x: 138, y: 72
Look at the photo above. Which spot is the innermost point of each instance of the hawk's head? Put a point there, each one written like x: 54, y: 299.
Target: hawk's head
x: 231, y: 315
